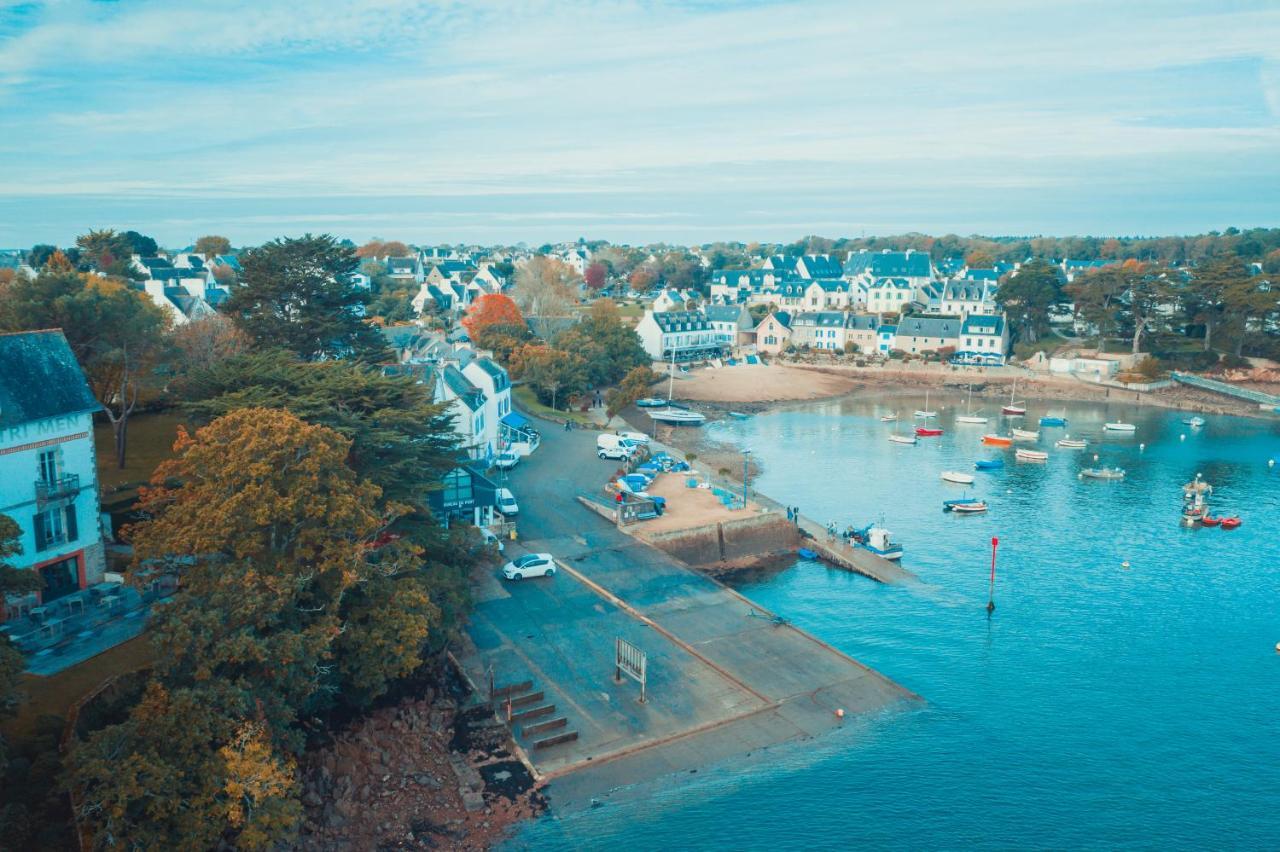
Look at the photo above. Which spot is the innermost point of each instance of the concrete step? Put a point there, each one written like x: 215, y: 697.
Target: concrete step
x: 566, y: 737
x: 544, y: 727
x: 533, y: 713
x: 525, y: 700
x: 512, y: 689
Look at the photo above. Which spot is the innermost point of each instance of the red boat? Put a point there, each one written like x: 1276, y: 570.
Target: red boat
x: 926, y: 432
x: 1207, y: 521
x: 1230, y: 523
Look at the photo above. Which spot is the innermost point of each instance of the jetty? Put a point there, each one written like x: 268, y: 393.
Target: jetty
x: 1264, y: 400
x: 855, y: 559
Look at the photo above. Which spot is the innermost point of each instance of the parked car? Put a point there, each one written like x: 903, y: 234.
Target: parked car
x: 506, y: 461
x: 488, y: 536
x: 507, y: 505
x: 638, y: 438
x: 530, y: 565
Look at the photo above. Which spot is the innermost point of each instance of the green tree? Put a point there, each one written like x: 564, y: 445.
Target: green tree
x: 635, y: 385
x: 502, y: 340
x: 298, y: 294
x: 609, y: 346
x: 105, y: 251
x: 116, y: 333
x: 141, y: 244
x: 1028, y: 295
x: 13, y: 581
x: 1204, y: 296
x: 554, y: 374
x: 211, y: 246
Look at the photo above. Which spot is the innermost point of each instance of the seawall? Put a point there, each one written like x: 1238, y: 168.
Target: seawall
x: 757, y: 537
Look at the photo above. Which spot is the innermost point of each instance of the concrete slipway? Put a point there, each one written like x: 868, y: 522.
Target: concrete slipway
x: 724, y: 678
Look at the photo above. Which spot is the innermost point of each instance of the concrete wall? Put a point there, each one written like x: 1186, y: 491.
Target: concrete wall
x: 749, y: 536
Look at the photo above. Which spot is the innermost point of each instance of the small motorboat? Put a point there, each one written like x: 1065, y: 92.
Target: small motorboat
x: 903, y: 439
x: 1031, y: 455
x: 1026, y: 435
x: 1208, y: 521
x: 972, y: 418
x: 878, y: 540
x: 1102, y: 473
x: 957, y: 477
x: 1194, y: 422
x: 950, y: 505
x: 888, y: 418
x: 927, y: 432
x: 1051, y: 420
x: 1071, y: 443
x: 989, y: 464
x: 1120, y: 427
x: 1229, y: 523
x: 806, y: 553
x: 651, y: 402
x: 992, y: 440
x: 973, y: 508
x: 738, y: 415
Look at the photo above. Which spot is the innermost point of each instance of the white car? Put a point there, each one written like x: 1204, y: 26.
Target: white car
x: 488, y: 536
x: 620, y: 452
x: 506, y: 461
x: 638, y: 438
x: 507, y: 505
x: 530, y: 565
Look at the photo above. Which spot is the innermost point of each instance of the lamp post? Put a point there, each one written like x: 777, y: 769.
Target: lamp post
x: 746, y: 457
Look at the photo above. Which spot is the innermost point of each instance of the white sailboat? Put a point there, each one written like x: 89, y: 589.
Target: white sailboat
x: 926, y: 411
x: 671, y: 414
x: 1014, y: 408
x: 969, y: 416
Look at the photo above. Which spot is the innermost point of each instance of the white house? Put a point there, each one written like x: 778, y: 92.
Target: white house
x: 405, y: 270
x: 468, y: 409
x: 828, y: 294
x: 773, y: 333
x: 835, y: 330
x: 986, y: 335
x: 48, y: 469
x: 926, y: 334
x: 732, y: 324
x: 684, y: 335
x: 493, y: 382
x: 964, y: 297
x: 890, y: 295
x: 670, y: 300
x: 916, y: 267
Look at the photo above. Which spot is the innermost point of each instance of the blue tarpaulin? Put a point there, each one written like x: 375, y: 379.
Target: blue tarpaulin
x: 515, y: 420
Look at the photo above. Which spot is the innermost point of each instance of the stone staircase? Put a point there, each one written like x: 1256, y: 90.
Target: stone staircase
x: 530, y: 716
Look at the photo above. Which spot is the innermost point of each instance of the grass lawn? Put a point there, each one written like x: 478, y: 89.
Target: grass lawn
x: 1050, y: 341
x: 528, y: 400
x: 151, y: 439
x: 53, y: 696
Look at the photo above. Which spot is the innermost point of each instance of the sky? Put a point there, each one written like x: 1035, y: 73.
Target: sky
x: 477, y: 121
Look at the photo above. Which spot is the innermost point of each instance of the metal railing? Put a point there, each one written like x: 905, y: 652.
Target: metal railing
x: 1225, y: 388
x: 67, y: 485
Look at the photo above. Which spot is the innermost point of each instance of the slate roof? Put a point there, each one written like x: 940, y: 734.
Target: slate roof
x: 983, y: 324
x: 401, y: 264
x: 229, y: 260
x: 928, y: 327
x: 673, y: 321
x: 472, y: 397
x: 723, y: 313
x: 838, y: 319
x: 821, y: 266
x: 964, y: 291
x: 982, y: 275
x: 169, y: 273
x: 499, y: 375
x: 829, y: 285
x: 449, y: 267
x: 40, y: 379
x: 400, y: 336
x: 911, y: 264
x: 154, y: 263
x: 783, y: 262
x: 893, y: 283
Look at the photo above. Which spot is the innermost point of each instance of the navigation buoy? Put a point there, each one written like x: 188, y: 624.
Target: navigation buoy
x: 1278, y: 647
x: 840, y: 710
x: 1095, y: 456
x: 1125, y: 565
x: 1271, y: 462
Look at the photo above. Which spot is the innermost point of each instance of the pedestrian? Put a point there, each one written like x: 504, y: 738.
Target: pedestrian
x: 789, y: 513
x: 567, y: 424
x: 797, y: 515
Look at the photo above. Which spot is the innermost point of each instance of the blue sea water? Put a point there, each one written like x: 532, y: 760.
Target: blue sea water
x: 1099, y: 706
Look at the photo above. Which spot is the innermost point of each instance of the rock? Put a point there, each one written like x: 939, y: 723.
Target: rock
x: 471, y: 800
x: 425, y: 780
x: 312, y: 798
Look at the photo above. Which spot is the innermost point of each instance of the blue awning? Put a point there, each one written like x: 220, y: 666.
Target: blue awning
x: 515, y: 420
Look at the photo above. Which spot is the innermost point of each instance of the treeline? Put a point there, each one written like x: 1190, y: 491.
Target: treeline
x: 313, y: 576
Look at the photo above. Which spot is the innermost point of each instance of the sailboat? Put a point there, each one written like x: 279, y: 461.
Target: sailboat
x: 969, y: 416
x: 926, y: 411
x: 671, y: 414
x: 1013, y: 409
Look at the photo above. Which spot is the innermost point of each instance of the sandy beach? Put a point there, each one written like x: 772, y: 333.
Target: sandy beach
x: 761, y: 383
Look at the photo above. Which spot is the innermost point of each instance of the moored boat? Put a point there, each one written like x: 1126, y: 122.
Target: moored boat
x: 928, y: 432
x: 651, y: 402
x: 1230, y: 523
x: 993, y: 440
x: 903, y: 439
x: 957, y: 477
x: 989, y: 464
x: 1069, y: 443
x: 950, y: 505
x: 1208, y: 521
x: 973, y: 508
x: 1053, y: 420
x: 888, y: 418
x: 678, y: 416
x: 879, y: 541
x: 925, y: 412
x: 972, y: 418
x: 1120, y: 427
x: 1194, y: 422
x: 1102, y: 473
x: 738, y: 415
x: 1025, y: 435
x: 1031, y: 455
x: 1014, y: 408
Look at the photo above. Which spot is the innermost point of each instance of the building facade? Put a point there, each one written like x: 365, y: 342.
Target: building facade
x: 48, y: 466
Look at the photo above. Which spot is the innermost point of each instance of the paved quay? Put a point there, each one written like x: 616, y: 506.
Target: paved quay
x: 725, y: 677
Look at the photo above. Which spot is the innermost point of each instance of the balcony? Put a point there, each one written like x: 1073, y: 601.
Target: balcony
x: 48, y: 490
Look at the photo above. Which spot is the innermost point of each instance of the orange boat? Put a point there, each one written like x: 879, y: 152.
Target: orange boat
x: 1208, y: 521
x: 997, y: 441
x: 1230, y: 523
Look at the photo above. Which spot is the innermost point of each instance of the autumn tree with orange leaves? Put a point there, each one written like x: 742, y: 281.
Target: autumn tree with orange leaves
x: 290, y: 594
x: 489, y: 310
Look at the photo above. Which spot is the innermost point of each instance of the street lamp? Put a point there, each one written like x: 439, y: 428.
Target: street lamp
x: 746, y: 457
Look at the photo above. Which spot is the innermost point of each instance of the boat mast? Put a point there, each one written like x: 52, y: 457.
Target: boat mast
x: 671, y: 382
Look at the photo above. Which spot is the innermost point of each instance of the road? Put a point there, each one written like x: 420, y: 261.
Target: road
x: 722, y: 682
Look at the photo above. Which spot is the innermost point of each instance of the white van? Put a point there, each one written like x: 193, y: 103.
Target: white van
x: 507, y: 505
x: 614, y: 447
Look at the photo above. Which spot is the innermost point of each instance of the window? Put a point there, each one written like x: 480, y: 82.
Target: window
x: 55, y: 526
x: 51, y: 464
x: 457, y: 489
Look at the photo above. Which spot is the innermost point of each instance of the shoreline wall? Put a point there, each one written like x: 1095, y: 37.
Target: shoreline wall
x: 752, y: 537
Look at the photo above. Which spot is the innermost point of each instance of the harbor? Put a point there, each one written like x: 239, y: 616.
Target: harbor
x: 1120, y: 640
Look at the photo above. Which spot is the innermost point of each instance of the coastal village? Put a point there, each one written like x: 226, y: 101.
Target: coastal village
x: 559, y: 391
